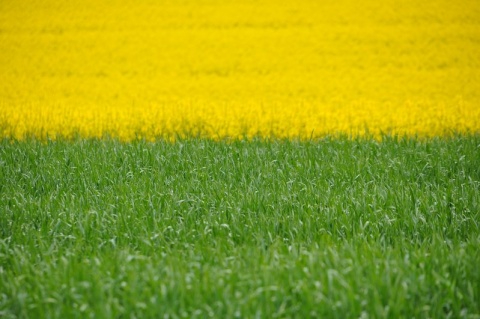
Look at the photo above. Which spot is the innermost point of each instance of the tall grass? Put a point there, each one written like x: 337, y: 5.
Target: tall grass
x: 333, y: 228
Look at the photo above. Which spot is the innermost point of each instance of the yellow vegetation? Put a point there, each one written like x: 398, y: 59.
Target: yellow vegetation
x: 229, y: 69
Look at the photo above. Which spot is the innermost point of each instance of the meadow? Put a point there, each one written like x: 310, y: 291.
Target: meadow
x: 247, y: 159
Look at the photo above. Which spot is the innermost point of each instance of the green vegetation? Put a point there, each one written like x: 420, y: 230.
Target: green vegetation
x: 332, y: 228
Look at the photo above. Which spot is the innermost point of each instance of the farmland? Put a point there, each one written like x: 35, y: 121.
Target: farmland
x: 217, y: 70
x: 337, y: 228
x: 208, y: 159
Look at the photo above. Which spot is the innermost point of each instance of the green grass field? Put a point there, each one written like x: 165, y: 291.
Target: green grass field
x: 335, y: 228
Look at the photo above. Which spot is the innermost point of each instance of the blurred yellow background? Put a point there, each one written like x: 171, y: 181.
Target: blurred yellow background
x: 221, y: 69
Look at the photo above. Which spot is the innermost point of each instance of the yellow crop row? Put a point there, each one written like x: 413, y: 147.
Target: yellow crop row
x: 215, y: 121
x: 220, y: 69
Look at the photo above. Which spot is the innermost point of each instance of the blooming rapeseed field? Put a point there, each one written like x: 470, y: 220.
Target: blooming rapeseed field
x: 221, y: 69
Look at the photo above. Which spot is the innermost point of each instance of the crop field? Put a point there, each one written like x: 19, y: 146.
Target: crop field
x: 198, y: 228
x: 247, y: 159
x: 247, y: 69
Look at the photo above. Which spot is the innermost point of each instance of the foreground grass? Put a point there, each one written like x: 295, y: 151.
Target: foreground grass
x: 334, y: 228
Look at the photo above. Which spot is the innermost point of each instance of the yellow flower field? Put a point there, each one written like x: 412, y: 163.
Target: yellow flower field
x: 221, y: 69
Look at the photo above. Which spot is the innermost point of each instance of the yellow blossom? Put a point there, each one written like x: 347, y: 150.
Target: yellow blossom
x: 215, y: 69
